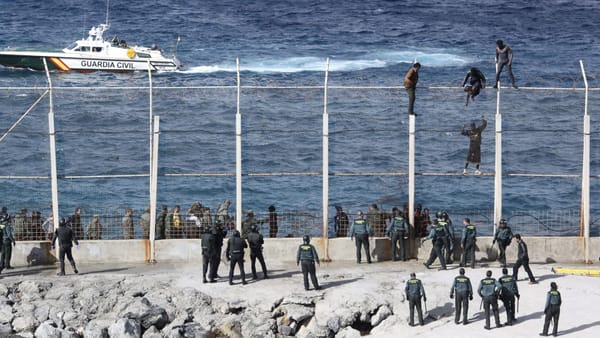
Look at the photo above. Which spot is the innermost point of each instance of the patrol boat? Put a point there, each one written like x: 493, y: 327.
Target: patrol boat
x: 91, y: 54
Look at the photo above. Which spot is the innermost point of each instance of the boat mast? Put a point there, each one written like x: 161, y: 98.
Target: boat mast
x: 107, y: 7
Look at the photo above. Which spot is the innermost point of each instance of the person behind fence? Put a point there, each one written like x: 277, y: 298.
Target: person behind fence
x: 488, y: 291
x: 145, y: 223
x: 508, y: 291
x: 255, y: 242
x: 75, y: 222
x: 20, y: 222
x: 235, y: 255
x: 94, y: 229
x: 437, y: 235
x: 341, y: 222
x: 397, y: 229
x: 248, y: 222
x: 208, y: 252
x: 504, y: 58
x: 35, y: 226
x: 414, y: 291
x: 376, y: 220
x: 464, y: 292
x: 522, y: 260
x: 410, y: 83
x: 503, y: 236
x: 222, y: 215
x: 161, y: 224
x: 448, y: 250
x: 307, y: 255
x: 273, y: 228
x: 468, y: 239
x: 552, y: 310
x: 476, y: 83
x: 474, y: 134
x: 175, y: 223
x: 8, y: 241
x: 48, y: 226
x: 127, y: 224
x: 360, y: 231
x: 66, y: 238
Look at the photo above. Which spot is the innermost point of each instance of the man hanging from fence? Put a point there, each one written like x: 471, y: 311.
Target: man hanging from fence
x: 474, y: 134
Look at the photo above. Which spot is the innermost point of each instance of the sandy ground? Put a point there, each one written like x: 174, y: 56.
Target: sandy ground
x: 345, y: 280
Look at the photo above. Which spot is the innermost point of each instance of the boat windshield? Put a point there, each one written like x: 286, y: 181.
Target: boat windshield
x: 72, y: 46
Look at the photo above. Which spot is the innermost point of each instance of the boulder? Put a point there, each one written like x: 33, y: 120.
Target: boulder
x: 125, y: 328
x: 382, y: 313
x: 97, y: 328
x: 6, y: 314
x: 29, y: 291
x: 24, y: 323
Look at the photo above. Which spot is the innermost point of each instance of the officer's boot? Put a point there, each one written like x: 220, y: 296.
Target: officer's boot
x: 74, y: 267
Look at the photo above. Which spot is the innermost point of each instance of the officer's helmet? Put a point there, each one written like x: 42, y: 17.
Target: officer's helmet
x: 438, y: 215
x: 306, y: 239
x: 502, y: 222
x: 254, y: 228
x: 4, y: 219
x: 236, y: 233
x: 445, y: 215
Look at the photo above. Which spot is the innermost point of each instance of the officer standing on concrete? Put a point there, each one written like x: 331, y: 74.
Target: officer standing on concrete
x: 208, y: 253
x: 469, y: 237
x: 437, y: 234
x: 235, y: 255
x: 398, y: 231
x: 414, y: 291
x: 256, y: 241
x: 449, y: 240
x: 307, y: 255
x: 464, y: 292
x: 219, y: 232
x: 360, y: 231
x: 552, y: 310
x: 8, y: 241
x: 488, y: 291
x: 508, y: 291
x: 65, y: 237
x: 504, y: 236
x: 523, y: 259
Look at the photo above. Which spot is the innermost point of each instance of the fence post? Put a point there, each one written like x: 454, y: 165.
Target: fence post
x: 411, y: 178
x: 154, y: 188
x: 52, y: 141
x: 326, y: 164
x: 238, y: 154
x: 150, y: 114
x: 498, y: 161
x: 585, y: 175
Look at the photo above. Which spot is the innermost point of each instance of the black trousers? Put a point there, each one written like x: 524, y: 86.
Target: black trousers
x: 552, y: 313
x: 415, y: 302
x: 308, y: 267
x: 6, y: 254
x: 237, y: 258
x: 461, y: 302
x: 362, y: 240
x: 525, y: 264
x: 448, y: 249
x: 411, y: 99
x: 61, y: 256
x: 436, y: 252
x: 254, y: 254
x: 468, y: 254
x: 216, y: 261
x: 206, y: 263
x: 491, y: 302
x: 398, y: 238
x: 509, y: 306
x: 502, y: 252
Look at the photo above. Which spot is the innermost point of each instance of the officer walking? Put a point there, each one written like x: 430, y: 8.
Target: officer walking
x: 65, y: 237
x: 235, y: 255
x: 448, y: 250
x: 397, y: 230
x: 504, y: 236
x: 508, y: 291
x: 307, y: 255
x: 7, y: 240
x: 523, y: 259
x: 208, y: 253
x: 469, y: 237
x: 437, y: 234
x: 552, y: 310
x: 488, y: 291
x: 464, y: 293
x: 256, y: 241
x: 414, y: 291
x: 360, y: 231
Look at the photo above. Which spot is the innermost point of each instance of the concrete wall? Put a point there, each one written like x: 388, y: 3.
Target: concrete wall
x: 541, y: 250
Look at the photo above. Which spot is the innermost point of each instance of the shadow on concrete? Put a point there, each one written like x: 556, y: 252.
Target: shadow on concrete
x: 332, y: 284
x: 440, y: 311
x: 26, y: 272
x: 274, y: 274
x: 579, y: 328
x: 548, y: 276
x: 94, y: 272
x: 535, y: 315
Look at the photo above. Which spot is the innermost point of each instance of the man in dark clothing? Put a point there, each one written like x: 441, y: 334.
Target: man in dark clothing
x: 448, y: 249
x: 522, y: 259
x: 474, y: 134
x: 235, y: 255
x: 76, y: 226
x: 437, y: 234
x: 7, y: 239
x: 552, y: 310
x: 504, y: 57
x: 65, y: 237
x: 307, y: 255
x: 161, y: 224
x: 469, y: 237
x: 208, y: 253
x: 477, y: 82
x: 360, y: 231
x: 256, y: 241
x: 414, y: 291
x: 508, y: 291
x: 488, y: 291
x: 410, y: 83
x: 464, y: 292
x: 504, y: 236
x: 273, y: 228
x: 397, y: 229
x: 341, y: 223
x: 220, y: 233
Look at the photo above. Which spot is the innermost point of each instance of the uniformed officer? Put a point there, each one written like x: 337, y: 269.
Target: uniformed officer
x: 464, y: 292
x: 448, y: 250
x: 256, y: 241
x: 7, y: 240
x: 508, y: 291
x: 307, y: 255
x: 360, y: 231
x: 397, y: 230
x: 208, y: 253
x: 504, y: 236
x: 552, y: 310
x: 414, y: 291
x: 488, y: 291
x: 469, y: 237
x: 65, y: 237
x: 235, y: 255
x: 437, y: 234
x: 219, y: 232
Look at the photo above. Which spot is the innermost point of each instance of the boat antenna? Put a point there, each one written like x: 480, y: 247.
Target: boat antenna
x: 107, y: 7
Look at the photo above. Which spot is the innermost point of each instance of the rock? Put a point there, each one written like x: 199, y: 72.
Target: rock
x: 286, y: 330
x: 62, y: 292
x: 26, y: 323
x: 125, y: 328
x: 155, y: 316
x: 97, y: 329
x: 48, y: 329
x: 6, y: 314
x: 313, y: 330
x: 298, y: 313
x: 231, y: 328
x: 29, y: 291
x: 3, y: 290
x: 382, y: 313
x: 334, y: 324
x: 348, y: 332
x: 152, y: 332
x: 5, y: 330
